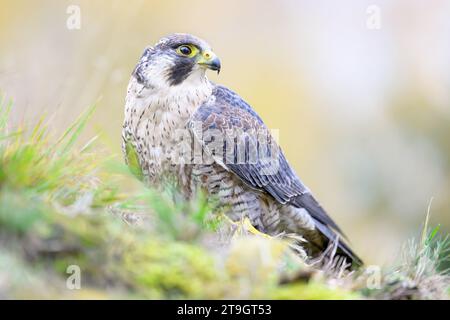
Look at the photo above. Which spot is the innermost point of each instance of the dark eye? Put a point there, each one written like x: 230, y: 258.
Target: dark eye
x: 185, y: 50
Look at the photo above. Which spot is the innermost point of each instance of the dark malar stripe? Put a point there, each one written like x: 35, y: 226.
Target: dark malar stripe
x: 180, y: 71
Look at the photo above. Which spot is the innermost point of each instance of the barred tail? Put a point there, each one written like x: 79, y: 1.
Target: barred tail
x: 328, y: 228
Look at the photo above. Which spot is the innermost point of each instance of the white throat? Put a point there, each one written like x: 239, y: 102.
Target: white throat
x: 153, y: 112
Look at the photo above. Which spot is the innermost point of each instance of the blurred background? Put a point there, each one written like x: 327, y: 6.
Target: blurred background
x: 359, y: 90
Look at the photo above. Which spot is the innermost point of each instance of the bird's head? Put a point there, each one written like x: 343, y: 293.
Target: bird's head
x: 175, y: 59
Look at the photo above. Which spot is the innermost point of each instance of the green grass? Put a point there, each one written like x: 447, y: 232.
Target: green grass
x: 64, y: 202
x: 421, y: 272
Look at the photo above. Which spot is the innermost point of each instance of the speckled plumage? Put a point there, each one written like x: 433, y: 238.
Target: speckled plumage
x: 171, y: 103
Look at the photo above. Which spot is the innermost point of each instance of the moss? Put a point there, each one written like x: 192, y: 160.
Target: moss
x: 174, y: 270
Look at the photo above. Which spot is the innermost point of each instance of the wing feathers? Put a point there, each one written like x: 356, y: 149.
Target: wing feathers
x: 269, y: 171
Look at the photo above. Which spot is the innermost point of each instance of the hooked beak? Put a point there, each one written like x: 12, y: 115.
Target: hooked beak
x: 210, y: 61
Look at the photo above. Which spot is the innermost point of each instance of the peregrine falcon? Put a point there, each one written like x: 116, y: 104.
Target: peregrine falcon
x: 181, y: 128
